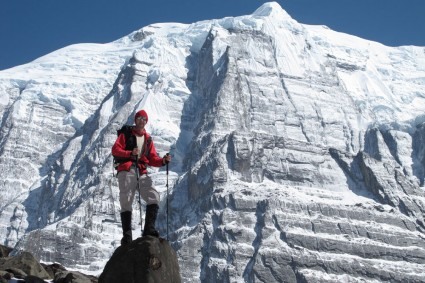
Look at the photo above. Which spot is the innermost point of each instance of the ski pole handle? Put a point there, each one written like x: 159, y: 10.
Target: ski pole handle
x: 135, y: 151
x: 166, y: 161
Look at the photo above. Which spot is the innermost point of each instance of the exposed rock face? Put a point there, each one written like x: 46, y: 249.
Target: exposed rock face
x: 146, y: 259
x: 283, y: 172
x: 298, y: 152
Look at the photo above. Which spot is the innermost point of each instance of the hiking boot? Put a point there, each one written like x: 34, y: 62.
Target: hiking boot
x: 151, y: 214
x: 126, y: 228
x: 127, y: 238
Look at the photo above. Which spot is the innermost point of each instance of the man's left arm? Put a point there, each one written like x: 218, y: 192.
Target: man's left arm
x: 154, y: 159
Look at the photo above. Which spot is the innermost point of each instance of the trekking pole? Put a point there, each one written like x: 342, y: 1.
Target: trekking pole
x: 136, y: 168
x: 167, y: 194
x: 140, y: 201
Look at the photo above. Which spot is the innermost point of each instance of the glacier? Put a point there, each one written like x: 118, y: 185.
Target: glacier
x: 298, y: 151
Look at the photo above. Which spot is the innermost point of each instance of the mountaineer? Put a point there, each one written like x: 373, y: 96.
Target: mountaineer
x: 134, y: 151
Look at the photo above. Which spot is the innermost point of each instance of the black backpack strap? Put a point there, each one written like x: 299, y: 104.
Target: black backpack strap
x: 147, y: 148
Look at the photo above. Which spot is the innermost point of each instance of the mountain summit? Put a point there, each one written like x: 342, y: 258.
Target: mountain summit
x: 298, y: 151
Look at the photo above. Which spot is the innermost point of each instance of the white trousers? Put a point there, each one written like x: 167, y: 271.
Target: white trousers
x: 127, y: 183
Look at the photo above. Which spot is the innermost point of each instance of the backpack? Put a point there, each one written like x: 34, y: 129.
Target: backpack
x: 130, y: 143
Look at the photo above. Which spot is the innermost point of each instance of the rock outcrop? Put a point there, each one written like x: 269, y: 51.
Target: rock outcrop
x: 24, y: 266
x: 146, y: 259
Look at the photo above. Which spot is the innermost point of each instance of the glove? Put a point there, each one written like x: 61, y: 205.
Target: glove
x: 166, y: 159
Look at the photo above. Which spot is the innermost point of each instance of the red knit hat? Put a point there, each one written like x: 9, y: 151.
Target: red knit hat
x: 141, y: 113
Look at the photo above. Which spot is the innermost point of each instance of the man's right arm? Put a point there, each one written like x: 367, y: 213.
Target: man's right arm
x: 118, y: 149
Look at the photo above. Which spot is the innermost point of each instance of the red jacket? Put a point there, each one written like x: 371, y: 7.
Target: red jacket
x: 149, y: 155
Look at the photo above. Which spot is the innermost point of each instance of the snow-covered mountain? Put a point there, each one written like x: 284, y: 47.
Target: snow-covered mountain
x: 299, y: 152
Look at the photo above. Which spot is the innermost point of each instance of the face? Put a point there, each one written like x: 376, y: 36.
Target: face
x: 140, y: 122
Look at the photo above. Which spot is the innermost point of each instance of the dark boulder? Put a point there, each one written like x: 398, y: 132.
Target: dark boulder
x: 25, y: 262
x: 5, y: 276
x: 53, y: 268
x: 17, y: 273
x: 4, y: 251
x: 147, y: 259
x: 33, y: 279
x: 72, y: 277
x: 26, y: 268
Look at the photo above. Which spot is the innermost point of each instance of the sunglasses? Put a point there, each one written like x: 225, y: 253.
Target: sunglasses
x: 140, y: 118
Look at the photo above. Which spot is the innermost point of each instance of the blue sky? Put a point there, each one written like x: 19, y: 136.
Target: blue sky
x: 32, y: 28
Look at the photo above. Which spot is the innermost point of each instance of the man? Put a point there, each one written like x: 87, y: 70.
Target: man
x: 135, y: 151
